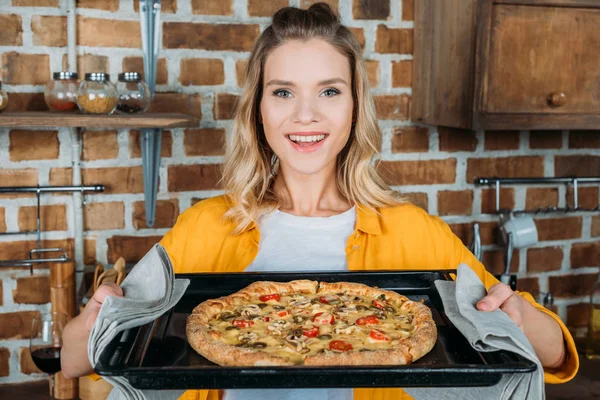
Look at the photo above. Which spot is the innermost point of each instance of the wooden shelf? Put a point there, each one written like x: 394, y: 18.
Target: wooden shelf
x: 76, y: 120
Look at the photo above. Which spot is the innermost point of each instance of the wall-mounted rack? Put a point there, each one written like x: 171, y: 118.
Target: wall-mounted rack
x: 573, y: 181
x: 38, y: 190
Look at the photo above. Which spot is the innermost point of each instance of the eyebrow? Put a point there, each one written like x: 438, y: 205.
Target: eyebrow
x: 321, y: 83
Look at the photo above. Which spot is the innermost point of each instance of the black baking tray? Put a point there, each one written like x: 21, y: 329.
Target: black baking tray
x: 157, y: 355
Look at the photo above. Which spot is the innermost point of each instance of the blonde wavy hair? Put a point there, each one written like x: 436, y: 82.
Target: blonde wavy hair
x: 250, y: 167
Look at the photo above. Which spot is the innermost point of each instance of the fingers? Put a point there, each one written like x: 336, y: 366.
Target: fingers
x: 496, y: 296
x: 107, y: 289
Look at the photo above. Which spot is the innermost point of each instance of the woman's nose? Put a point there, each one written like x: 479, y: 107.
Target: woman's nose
x: 305, y: 112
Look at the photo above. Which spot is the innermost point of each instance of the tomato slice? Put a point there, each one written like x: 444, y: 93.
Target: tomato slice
x: 323, y: 300
x: 368, y: 320
x: 272, y: 296
x: 323, y: 318
x: 340, y: 345
x: 379, y: 304
x: 242, y: 323
x: 378, y: 335
x: 283, y: 314
x: 311, y: 332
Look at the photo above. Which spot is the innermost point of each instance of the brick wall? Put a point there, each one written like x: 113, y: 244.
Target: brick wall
x: 435, y: 166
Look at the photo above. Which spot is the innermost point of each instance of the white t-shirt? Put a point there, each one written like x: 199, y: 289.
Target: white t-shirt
x: 292, y: 243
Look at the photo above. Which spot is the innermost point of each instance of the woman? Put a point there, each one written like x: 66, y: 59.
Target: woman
x: 303, y: 193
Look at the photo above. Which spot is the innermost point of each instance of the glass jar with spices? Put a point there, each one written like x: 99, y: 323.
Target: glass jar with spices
x: 3, y: 99
x: 61, y: 92
x: 134, y: 95
x: 96, y: 94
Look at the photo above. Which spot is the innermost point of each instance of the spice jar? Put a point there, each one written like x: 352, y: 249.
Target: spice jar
x: 3, y: 99
x: 61, y: 92
x: 134, y: 95
x: 96, y: 94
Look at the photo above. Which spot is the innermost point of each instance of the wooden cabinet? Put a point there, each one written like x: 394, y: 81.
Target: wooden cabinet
x: 507, y: 64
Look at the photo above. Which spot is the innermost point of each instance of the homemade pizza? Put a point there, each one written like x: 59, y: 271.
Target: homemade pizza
x: 306, y: 322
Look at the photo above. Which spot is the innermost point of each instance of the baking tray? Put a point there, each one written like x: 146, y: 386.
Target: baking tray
x: 157, y: 355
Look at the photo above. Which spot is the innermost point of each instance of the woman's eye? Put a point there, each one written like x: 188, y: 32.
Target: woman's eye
x: 330, y: 92
x: 282, y: 93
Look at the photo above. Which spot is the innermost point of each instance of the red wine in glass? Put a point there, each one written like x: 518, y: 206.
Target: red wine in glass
x: 47, y: 359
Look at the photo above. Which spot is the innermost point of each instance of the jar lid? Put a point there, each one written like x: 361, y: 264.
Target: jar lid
x: 130, y: 77
x: 97, y: 76
x: 65, y: 76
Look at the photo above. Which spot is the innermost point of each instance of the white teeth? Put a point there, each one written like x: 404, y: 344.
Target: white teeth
x: 306, y: 139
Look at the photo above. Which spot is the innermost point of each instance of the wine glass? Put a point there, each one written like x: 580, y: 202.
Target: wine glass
x: 46, y: 342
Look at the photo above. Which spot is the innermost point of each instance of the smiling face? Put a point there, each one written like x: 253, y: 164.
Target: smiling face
x: 306, y: 107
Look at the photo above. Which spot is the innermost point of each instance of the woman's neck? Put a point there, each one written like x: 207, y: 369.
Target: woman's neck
x: 314, y: 195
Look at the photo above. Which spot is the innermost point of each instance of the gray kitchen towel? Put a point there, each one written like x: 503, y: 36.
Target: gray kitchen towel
x: 150, y: 290
x: 486, y: 332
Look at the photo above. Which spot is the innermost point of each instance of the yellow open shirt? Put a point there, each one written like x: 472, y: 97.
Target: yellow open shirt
x: 400, y: 237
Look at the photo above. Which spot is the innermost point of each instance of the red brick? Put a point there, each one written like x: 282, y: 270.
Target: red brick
x: 578, y: 315
x: 262, y: 8
x: 183, y: 178
x: 49, y: 30
x: 27, y: 366
x: 32, y: 290
x: 26, y: 102
x: 307, y: 3
x: 136, y: 64
x: 488, y: 232
x: 577, y: 165
x: 165, y: 215
x: 18, y: 250
x: 596, y: 226
x: 11, y: 33
x: 501, y: 140
x: 359, y: 33
x: 103, y: 216
x: 188, y: 35
x: 224, y: 105
x: 107, y: 5
x: 493, y: 260
x: 212, y: 7
x: 453, y: 139
x: 506, y: 167
x: 558, y: 228
x: 33, y: 145
x: 90, y: 63
x: 131, y: 248
x: 402, y: 73
x: 530, y: 285
x: 61, y: 176
x: 458, y: 202
x: 135, y: 150
x: 100, y: 145
x: 545, y: 139
x: 177, y: 102
x: 544, y: 259
x: 201, y: 71
x: 572, y: 285
x: 419, y: 172
x: 587, y: 197
x: 585, y: 254
x: 584, y: 139
x: 392, y: 106
x: 115, y: 180
x: 419, y: 199
x: 89, y: 251
x: 25, y: 69
x: 541, y: 197
x: 167, y: 6
x: 4, y: 361
x: 17, y: 325
x: 100, y: 32
x: 371, y: 9
x: 488, y: 200
x: 35, y: 3
x: 373, y: 72
x: 18, y: 177
x: 52, y: 218
x: 408, y: 10
x: 394, y: 40
x: 408, y: 139
x: 240, y: 72
x: 204, y: 142
x: 2, y: 226
x: 1, y: 294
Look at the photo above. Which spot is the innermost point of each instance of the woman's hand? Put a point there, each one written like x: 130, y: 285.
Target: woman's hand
x: 93, y: 306
x: 543, y: 331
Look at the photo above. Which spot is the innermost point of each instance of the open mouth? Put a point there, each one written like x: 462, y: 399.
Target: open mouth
x: 307, y: 140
